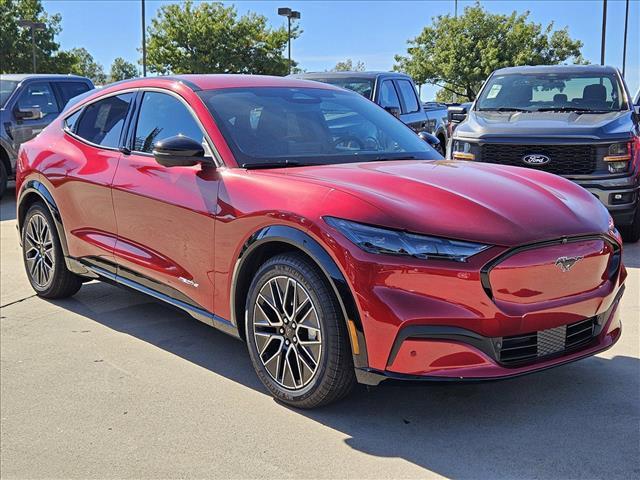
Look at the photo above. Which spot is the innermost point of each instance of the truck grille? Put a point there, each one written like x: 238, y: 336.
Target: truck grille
x: 565, y: 159
x: 532, y: 346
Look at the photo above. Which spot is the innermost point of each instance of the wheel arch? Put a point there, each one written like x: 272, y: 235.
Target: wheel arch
x: 276, y: 239
x: 35, y: 191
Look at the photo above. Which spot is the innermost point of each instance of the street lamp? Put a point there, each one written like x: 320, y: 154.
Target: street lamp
x: 33, y: 26
x: 287, y: 12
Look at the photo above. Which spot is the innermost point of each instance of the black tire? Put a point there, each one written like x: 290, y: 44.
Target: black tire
x: 631, y: 233
x: 4, y: 178
x: 60, y: 283
x: 334, y: 376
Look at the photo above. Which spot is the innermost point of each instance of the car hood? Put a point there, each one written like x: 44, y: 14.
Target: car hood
x: 482, y: 125
x: 466, y: 200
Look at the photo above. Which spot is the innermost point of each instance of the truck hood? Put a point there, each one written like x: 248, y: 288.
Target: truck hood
x: 596, y: 126
x: 465, y: 200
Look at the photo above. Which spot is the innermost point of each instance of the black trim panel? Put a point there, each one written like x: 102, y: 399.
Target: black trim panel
x: 304, y: 242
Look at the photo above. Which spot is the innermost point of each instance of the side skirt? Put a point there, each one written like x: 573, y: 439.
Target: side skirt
x: 196, y: 312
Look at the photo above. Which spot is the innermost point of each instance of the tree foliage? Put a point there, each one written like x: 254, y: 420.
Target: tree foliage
x: 121, y: 70
x: 348, y: 66
x: 210, y: 38
x: 85, y: 65
x: 458, y: 54
x: 15, y: 41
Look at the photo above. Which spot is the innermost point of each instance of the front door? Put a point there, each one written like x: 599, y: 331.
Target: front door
x: 165, y: 214
x: 34, y: 95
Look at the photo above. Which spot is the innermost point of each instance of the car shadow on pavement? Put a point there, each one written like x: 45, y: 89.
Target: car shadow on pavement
x: 575, y: 421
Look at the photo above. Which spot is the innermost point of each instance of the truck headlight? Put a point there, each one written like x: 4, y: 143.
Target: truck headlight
x: 393, y: 242
x: 462, y: 151
x: 618, y: 157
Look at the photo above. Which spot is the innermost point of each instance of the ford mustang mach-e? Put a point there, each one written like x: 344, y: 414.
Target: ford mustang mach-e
x: 312, y: 224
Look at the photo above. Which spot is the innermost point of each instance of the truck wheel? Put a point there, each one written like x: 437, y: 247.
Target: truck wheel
x: 631, y: 233
x: 4, y: 178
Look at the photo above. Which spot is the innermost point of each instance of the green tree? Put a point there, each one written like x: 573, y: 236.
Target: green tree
x: 348, y: 66
x: 85, y: 65
x: 15, y: 41
x: 121, y: 70
x: 457, y: 54
x: 210, y: 38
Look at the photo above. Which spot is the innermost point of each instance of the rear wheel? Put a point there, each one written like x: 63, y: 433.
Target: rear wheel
x: 296, y: 333
x: 43, y: 257
x: 631, y: 233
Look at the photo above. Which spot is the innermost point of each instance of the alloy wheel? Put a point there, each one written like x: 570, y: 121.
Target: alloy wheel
x: 287, y: 332
x: 39, y: 251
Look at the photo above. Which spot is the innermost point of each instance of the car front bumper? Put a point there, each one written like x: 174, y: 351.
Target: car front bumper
x: 621, y: 196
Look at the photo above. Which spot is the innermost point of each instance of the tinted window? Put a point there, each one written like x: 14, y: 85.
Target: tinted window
x: 102, y: 122
x: 68, y: 90
x: 309, y: 125
x: 388, y: 95
x: 408, y: 96
x: 363, y: 86
x: 38, y: 95
x: 70, y: 121
x: 163, y: 116
x: 6, y: 89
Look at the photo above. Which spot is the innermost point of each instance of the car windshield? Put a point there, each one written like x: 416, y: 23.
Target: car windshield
x: 6, y: 89
x: 281, y: 126
x: 552, y: 92
x: 363, y: 86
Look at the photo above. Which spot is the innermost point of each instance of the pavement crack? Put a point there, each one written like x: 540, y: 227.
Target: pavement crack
x: 17, y: 301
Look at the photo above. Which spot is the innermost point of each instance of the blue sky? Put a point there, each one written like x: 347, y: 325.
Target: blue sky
x: 371, y: 31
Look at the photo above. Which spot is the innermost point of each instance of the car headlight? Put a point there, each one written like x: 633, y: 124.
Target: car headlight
x: 393, y: 242
x: 618, y: 157
x: 462, y: 151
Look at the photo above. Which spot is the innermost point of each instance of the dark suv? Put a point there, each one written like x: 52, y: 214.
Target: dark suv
x: 393, y: 91
x: 576, y: 121
x: 28, y: 103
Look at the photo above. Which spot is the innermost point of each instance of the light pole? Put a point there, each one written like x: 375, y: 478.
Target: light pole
x: 33, y: 26
x: 144, y: 45
x: 287, y: 12
x: 624, y: 48
x: 604, y: 30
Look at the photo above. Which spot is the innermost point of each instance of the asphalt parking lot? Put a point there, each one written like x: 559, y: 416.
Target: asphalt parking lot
x: 113, y: 384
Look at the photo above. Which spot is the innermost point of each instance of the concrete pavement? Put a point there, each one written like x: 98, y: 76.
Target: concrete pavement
x: 113, y: 384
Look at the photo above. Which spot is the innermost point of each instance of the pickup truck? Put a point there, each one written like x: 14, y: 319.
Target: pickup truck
x: 396, y: 93
x: 28, y: 103
x: 577, y: 121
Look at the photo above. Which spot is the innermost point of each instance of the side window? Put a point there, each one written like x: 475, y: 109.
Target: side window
x: 101, y: 122
x: 38, y: 95
x: 388, y: 96
x: 71, y: 121
x: 409, y: 96
x: 68, y: 90
x: 163, y: 116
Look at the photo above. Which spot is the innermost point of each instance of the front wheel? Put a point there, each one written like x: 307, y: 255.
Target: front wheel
x: 43, y: 258
x: 631, y: 233
x: 296, y: 334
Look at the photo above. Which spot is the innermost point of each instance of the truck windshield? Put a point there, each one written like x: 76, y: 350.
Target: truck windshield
x: 552, y: 92
x: 270, y: 127
x: 6, y: 89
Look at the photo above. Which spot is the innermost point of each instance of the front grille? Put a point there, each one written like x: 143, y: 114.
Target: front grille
x: 532, y: 346
x: 564, y: 159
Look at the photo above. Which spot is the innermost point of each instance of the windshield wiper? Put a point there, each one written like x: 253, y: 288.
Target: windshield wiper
x: 390, y: 158
x: 504, y: 109
x: 563, y: 109
x: 281, y: 164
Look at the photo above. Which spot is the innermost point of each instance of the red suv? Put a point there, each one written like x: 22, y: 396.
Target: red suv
x: 321, y: 230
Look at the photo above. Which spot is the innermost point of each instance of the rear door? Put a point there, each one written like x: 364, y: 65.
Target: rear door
x: 412, y: 112
x: 165, y: 215
x: 33, y: 95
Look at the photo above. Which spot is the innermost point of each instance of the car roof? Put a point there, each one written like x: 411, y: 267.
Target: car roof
x: 596, y: 69
x: 368, y: 74
x: 19, y: 77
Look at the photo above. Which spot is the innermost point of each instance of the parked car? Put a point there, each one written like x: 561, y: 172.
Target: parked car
x: 28, y: 103
x: 321, y: 230
x: 577, y: 121
x: 393, y: 91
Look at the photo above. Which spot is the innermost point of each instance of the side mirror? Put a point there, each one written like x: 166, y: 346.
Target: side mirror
x: 457, y: 114
x: 179, y: 151
x: 395, y: 111
x: 32, y: 113
x: 430, y: 139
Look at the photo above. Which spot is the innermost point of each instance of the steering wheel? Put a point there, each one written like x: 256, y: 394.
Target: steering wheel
x: 349, y: 142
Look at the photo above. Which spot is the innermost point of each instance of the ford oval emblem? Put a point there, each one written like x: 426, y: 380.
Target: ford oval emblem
x: 536, y: 159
